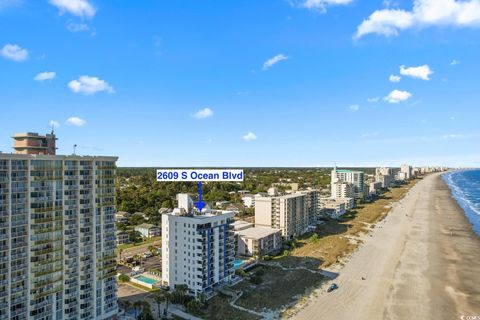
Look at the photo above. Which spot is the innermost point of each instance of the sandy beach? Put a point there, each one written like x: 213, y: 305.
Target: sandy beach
x: 421, y: 262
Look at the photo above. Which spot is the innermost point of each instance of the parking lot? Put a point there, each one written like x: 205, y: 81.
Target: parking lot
x: 154, y: 262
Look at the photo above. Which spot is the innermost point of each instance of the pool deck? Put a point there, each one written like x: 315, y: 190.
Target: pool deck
x: 143, y: 283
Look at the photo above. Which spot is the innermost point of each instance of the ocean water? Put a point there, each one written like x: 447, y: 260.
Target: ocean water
x: 465, y: 186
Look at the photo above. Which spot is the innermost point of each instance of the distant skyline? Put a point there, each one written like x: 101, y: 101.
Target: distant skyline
x: 235, y: 83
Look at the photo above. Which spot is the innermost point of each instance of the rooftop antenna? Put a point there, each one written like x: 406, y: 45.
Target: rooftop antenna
x: 74, y: 148
x: 53, y: 129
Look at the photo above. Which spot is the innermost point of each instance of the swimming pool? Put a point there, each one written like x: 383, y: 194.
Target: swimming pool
x: 146, y: 279
x: 238, y: 263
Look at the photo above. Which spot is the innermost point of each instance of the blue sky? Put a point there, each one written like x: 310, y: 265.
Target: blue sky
x: 245, y: 83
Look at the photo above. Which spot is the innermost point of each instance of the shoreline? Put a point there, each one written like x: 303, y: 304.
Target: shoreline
x: 421, y: 261
x: 458, y: 194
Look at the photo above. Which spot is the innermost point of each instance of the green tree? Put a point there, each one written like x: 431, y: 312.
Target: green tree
x: 121, y: 226
x: 240, y: 272
x: 146, y: 313
x: 256, y: 279
x: 193, y: 307
x: 135, y: 236
x: 168, y: 298
x: 167, y: 204
x: 314, y: 238
x: 126, y: 305
x: 159, y: 299
x: 137, y: 305
x: 123, y: 278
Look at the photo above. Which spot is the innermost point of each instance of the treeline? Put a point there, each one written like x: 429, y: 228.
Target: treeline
x: 139, y: 191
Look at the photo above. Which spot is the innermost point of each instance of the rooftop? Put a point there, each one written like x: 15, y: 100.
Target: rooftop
x: 257, y: 232
x: 146, y: 226
x: 55, y: 157
x: 241, y: 225
x: 346, y: 171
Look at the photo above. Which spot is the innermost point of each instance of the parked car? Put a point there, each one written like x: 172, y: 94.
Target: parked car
x: 148, y: 255
x: 332, y: 287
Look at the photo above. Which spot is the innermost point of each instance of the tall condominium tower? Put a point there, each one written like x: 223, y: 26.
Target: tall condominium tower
x: 198, y: 249
x: 57, y: 237
x: 350, y: 176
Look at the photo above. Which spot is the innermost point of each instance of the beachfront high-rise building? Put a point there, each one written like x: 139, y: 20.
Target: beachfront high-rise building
x: 198, y: 249
x: 407, y: 170
x: 312, y: 197
x: 385, y: 176
x: 33, y: 143
x: 342, y: 190
x: 289, y: 213
x: 356, y: 178
x: 57, y: 237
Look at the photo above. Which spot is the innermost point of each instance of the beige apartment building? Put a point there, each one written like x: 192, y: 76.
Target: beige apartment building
x: 257, y: 241
x: 289, y: 213
x: 342, y: 190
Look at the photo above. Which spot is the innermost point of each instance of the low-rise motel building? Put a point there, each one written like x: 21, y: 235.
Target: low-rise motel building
x: 198, y: 248
x: 256, y: 241
x: 148, y: 230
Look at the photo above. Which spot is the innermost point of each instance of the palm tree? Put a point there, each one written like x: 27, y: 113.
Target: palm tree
x: 137, y: 305
x: 201, y: 298
x: 168, y: 297
x: 181, y: 290
x: 159, y: 299
x: 120, y: 251
x: 126, y: 305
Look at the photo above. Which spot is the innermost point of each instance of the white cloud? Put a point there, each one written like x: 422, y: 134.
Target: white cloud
x: 420, y: 72
x: 79, y: 8
x: 394, y: 78
x: 54, y: 124
x: 203, y: 113
x: 389, y: 22
x: 452, y: 136
x: 42, y: 76
x: 250, y: 136
x: 454, y: 62
x: 89, y: 85
x: 274, y: 60
x: 354, y: 107
x: 452, y: 118
x: 78, y: 27
x: 75, y: 121
x: 14, y: 52
x: 397, y: 96
x: 321, y: 5
x: 373, y: 99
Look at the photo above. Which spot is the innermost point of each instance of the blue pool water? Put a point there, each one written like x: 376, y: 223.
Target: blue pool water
x: 238, y: 263
x: 146, y: 279
x: 465, y: 187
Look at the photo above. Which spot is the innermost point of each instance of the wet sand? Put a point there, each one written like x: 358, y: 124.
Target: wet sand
x: 421, y: 262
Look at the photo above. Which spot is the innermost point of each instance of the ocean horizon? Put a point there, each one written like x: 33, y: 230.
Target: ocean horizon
x: 465, y: 188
